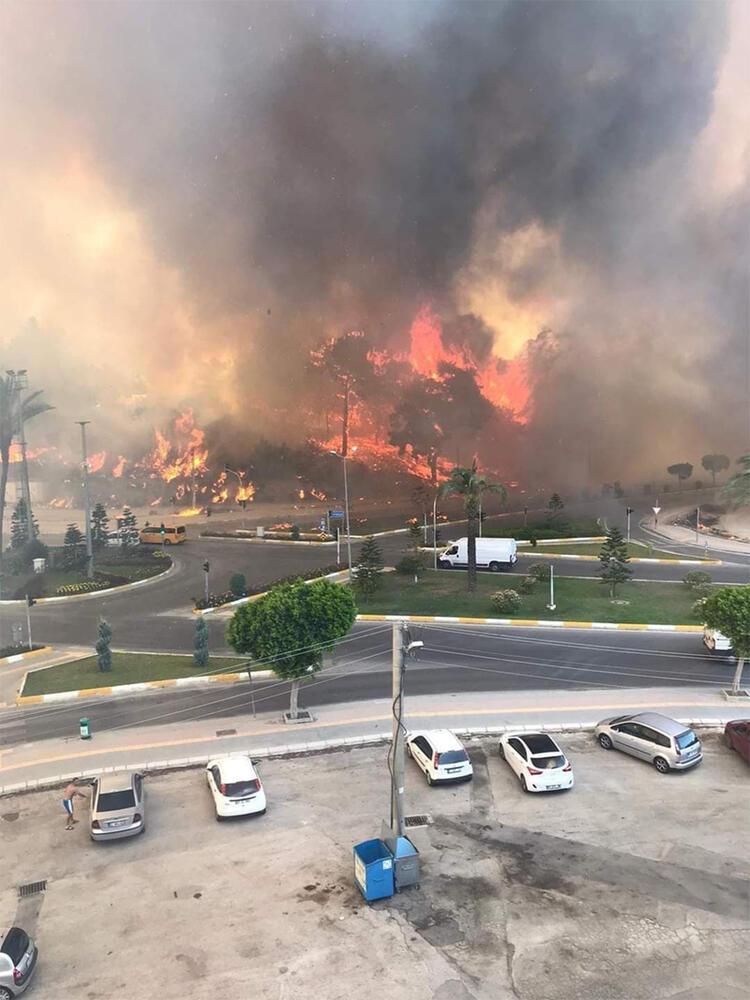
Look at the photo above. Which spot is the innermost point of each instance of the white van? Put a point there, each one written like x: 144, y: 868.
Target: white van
x: 492, y: 553
x: 715, y: 641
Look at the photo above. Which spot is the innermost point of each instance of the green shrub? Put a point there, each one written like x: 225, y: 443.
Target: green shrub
x: 696, y: 579
x: 527, y: 585
x: 506, y: 601
x: 699, y: 607
x: 294, y: 533
x: 238, y: 584
x: 412, y: 564
x: 82, y: 587
x: 539, y: 572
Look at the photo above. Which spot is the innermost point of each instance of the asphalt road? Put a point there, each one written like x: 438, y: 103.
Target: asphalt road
x: 157, y: 616
x: 454, y: 659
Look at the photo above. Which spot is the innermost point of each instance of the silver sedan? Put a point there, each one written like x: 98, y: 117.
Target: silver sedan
x: 118, y: 807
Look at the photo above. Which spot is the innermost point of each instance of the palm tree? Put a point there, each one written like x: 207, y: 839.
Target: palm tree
x: 14, y: 412
x: 468, y: 484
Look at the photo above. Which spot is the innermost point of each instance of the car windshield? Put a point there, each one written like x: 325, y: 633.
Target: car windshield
x: 15, y: 944
x: 236, y: 789
x: 115, y: 801
x: 453, y: 757
x: 548, y: 763
x: 686, y: 739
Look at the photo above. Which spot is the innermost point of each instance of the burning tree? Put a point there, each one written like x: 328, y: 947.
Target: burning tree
x: 291, y: 627
x: 348, y: 360
x: 467, y: 483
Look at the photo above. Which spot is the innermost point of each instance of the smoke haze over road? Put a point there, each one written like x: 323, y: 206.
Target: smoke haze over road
x: 195, y: 195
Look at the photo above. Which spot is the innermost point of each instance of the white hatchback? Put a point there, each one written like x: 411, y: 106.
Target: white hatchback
x: 538, y: 762
x: 440, y: 754
x: 235, y: 786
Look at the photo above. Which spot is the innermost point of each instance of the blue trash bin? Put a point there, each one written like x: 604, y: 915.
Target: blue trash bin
x: 373, y: 869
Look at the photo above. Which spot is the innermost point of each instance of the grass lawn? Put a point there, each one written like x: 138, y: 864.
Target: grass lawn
x: 127, y: 668
x: 635, y: 550
x: 443, y: 592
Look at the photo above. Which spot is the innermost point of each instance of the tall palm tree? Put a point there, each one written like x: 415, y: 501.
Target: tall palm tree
x: 14, y: 412
x: 468, y: 484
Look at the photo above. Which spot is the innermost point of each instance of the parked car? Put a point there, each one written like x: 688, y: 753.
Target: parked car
x: 716, y: 641
x: 118, y: 807
x: 666, y: 744
x: 737, y: 735
x: 440, y: 754
x: 18, y: 955
x: 235, y: 786
x: 493, y: 554
x: 537, y: 761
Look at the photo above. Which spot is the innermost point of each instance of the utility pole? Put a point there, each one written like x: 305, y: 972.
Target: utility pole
x: 29, y: 603
x: 629, y: 511
x: 206, y: 570
x: 434, y: 531
x: 87, y: 501
x: 348, y: 529
x: 192, y: 474
x: 697, y: 525
x: 551, y: 604
x: 397, y: 753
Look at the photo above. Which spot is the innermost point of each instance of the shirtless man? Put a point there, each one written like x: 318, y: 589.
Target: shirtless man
x: 69, y: 795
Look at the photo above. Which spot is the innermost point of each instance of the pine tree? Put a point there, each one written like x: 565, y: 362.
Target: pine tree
x: 555, y: 504
x: 200, y: 653
x: 129, y: 527
x: 72, y: 543
x: 614, y: 560
x: 19, y: 526
x: 103, y: 652
x: 99, y: 525
x: 369, y: 575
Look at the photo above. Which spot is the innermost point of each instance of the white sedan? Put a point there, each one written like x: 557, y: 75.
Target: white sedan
x: 235, y: 786
x: 538, y: 762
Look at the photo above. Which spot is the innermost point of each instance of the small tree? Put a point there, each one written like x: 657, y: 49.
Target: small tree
x: 20, y: 533
x: 103, y: 652
x: 128, y: 528
x: 555, y: 505
x: 72, y: 546
x: 683, y: 471
x: 728, y: 611
x: 714, y: 464
x: 614, y: 560
x: 291, y: 627
x: 696, y: 579
x: 737, y: 488
x: 415, y: 534
x: 369, y: 576
x: 238, y: 584
x: 99, y: 525
x: 411, y: 564
x: 540, y: 572
x: 200, y: 651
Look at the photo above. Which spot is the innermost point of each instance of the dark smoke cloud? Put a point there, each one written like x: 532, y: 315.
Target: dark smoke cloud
x: 310, y: 168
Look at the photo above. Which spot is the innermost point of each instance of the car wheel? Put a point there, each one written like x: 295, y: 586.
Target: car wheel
x: 429, y: 778
x: 604, y: 741
x: 219, y: 818
x: 501, y: 750
x: 661, y: 765
x: 444, y: 564
x: 5, y: 994
x: 523, y: 783
x: 494, y: 567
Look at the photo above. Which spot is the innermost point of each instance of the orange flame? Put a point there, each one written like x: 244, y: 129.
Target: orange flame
x: 96, y: 462
x: 245, y: 493
x: 120, y: 467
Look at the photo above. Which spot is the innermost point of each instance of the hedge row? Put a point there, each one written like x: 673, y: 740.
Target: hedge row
x: 215, y: 600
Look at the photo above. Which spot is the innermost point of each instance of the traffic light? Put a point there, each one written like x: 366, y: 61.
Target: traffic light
x: 30, y: 601
x: 629, y: 511
x: 206, y: 566
x: 163, y: 530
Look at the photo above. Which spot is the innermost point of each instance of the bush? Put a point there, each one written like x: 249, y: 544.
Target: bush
x: 506, y: 601
x: 294, y: 533
x: 412, y: 564
x: 238, y: 584
x: 527, y: 585
x: 699, y: 607
x: 216, y: 600
x: 82, y: 587
x: 539, y: 572
x: 706, y: 590
x: 696, y: 579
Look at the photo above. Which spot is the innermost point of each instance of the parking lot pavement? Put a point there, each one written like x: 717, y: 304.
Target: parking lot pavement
x: 632, y: 886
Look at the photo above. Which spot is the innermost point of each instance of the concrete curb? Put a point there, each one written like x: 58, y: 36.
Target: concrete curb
x: 633, y: 559
x: 317, y: 746
x: 530, y: 623
x: 119, y: 690
x: 17, y: 657
x: 94, y: 593
x: 255, y: 597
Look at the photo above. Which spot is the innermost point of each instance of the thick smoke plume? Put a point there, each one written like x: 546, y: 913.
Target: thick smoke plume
x: 195, y: 195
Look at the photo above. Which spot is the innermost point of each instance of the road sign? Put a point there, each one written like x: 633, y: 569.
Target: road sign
x: 656, y: 510
x: 337, y: 514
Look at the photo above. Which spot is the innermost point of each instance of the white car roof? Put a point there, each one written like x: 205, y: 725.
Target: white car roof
x: 441, y: 739
x: 235, y: 767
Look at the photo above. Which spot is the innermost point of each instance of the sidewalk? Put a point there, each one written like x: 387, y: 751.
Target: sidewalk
x: 686, y: 537
x: 192, y: 743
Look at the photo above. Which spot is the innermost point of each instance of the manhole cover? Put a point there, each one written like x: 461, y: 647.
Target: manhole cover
x: 32, y: 888
x: 226, y: 732
x: 412, y: 822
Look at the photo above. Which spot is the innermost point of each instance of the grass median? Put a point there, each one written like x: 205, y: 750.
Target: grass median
x: 127, y: 668
x: 443, y: 592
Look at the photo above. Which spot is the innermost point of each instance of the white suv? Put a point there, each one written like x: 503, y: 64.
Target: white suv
x: 440, y: 755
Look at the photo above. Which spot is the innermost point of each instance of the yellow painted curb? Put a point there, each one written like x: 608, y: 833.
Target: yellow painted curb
x: 15, y: 657
x: 533, y: 623
x: 94, y: 692
x: 30, y: 699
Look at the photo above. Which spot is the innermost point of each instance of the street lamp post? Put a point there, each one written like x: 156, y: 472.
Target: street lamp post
x: 343, y: 457
x: 87, y: 501
x: 434, y: 531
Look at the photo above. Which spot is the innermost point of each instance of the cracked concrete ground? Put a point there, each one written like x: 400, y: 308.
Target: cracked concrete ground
x: 633, y: 886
